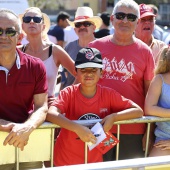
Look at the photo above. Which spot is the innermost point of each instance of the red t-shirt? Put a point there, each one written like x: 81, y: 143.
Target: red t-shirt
x: 68, y: 150
x: 125, y: 69
x: 19, y: 87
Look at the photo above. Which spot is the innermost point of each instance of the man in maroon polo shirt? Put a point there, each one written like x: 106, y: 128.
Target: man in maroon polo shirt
x: 23, y: 87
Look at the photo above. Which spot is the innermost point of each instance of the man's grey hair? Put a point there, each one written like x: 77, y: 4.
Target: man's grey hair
x: 129, y: 4
x: 18, y: 22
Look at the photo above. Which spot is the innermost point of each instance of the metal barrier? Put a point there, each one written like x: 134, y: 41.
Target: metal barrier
x: 152, y: 163
x: 144, y: 119
x: 40, y: 141
x: 43, y: 137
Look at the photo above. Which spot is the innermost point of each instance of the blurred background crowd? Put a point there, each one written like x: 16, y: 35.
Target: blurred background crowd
x: 53, y: 7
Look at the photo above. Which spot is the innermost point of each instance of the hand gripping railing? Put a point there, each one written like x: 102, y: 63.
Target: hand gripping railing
x: 144, y: 119
x: 39, y: 148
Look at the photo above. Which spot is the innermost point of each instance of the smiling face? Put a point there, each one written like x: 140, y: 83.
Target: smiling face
x: 145, y: 27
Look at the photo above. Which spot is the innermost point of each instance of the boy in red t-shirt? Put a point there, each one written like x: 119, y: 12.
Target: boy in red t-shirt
x: 84, y: 101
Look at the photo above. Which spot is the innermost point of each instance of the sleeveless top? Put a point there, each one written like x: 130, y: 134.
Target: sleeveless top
x: 51, y: 70
x: 163, y: 128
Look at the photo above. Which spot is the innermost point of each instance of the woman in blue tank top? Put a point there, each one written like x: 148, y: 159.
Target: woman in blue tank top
x: 157, y: 103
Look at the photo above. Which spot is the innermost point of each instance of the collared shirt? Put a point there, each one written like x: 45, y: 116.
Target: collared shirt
x: 156, y: 47
x: 18, y: 64
x: 25, y: 79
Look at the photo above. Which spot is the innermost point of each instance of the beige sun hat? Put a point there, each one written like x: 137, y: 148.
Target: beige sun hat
x: 45, y: 18
x: 86, y: 14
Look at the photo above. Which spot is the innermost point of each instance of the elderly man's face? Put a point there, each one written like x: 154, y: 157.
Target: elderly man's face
x: 124, y: 25
x: 145, y: 26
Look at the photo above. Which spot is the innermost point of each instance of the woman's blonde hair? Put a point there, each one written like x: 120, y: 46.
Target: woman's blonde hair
x: 163, y: 65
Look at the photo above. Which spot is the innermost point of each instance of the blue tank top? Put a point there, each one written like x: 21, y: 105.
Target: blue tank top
x: 163, y: 128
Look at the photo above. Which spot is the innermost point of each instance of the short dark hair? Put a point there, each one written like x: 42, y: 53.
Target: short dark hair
x: 105, y: 16
x: 62, y: 15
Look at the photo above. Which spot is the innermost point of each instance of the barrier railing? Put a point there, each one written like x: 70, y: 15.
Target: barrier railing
x: 152, y: 163
x: 39, y: 147
x: 42, y: 141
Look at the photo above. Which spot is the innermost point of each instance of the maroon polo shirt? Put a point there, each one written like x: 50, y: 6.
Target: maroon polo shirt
x: 18, y: 87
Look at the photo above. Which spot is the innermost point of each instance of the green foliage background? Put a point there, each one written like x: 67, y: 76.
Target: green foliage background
x: 53, y: 4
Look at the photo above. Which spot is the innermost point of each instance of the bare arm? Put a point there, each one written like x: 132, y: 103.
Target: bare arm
x: 147, y: 105
x: 62, y: 57
x: 39, y: 115
x: 83, y: 132
x: 133, y: 112
x: 19, y: 134
x: 152, y: 98
x: 146, y: 86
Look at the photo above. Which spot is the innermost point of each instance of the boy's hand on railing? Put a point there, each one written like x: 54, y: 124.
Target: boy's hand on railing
x: 86, y: 135
x: 107, y: 123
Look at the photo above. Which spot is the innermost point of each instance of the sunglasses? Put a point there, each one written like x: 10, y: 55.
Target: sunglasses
x: 28, y: 19
x: 85, y: 24
x: 10, y: 32
x: 122, y: 15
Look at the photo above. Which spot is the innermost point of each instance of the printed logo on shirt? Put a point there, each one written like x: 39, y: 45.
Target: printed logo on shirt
x: 89, y: 116
x: 103, y: 110
x: 118, y: 70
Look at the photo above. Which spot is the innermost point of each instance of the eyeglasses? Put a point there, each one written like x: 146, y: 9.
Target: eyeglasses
x: 122, y: 15
x: 147, y: 20
x: 85, y: 24
x: 10, y: 32
x: 28, y: 19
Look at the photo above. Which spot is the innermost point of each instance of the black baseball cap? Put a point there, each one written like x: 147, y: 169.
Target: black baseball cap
x: 89, y: 57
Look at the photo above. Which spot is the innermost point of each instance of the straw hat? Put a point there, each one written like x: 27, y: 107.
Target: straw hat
x: 45, y: 18
x: 86, y: 14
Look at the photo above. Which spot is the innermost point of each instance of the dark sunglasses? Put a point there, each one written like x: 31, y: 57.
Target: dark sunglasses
x: 28, y: 19
x: 10, y: 32
x: 85, y: 24
x: 122, y: 15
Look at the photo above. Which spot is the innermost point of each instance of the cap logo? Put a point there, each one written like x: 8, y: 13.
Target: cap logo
x: 145, y: 8
x: 89, y: 55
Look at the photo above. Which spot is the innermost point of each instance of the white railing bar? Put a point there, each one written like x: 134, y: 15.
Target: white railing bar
x: 147, y: 139
x: 144, y: 119
x: 119, y: 165
x: 17, y: 157
x: 86, y: 153
x: 117, y: 146
x: 52, y: 147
